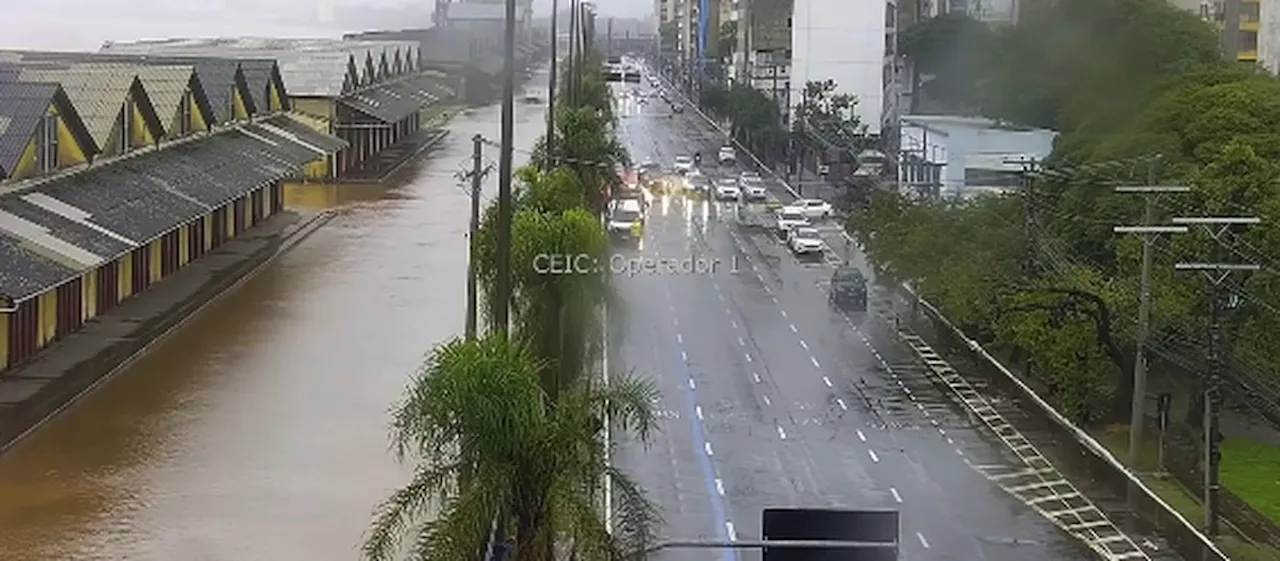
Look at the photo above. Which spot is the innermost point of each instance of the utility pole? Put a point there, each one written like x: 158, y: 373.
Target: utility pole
x: 1029, y: 166
x: 573, y: 53
x: 608, y: 41
x: 1217, y: 273
x: 477, y: 177
x: 505, y: 171
x: 1149, y: 232
x: 551, y: 86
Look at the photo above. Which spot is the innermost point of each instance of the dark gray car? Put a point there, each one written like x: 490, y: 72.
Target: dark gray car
x: 848, y: 289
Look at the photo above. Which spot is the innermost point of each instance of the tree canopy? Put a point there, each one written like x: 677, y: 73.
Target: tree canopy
x: 1139, y: 93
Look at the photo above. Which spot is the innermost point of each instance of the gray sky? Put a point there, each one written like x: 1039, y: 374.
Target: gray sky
x: 85, y: 24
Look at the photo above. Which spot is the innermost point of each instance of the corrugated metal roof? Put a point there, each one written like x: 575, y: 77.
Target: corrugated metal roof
x: 97, y: 93
x: 309, y: 67
x: 217, y: 75
x: 394, y: 101
x: 165, y: 85
x: 21, y: 106
x: 25, y: 272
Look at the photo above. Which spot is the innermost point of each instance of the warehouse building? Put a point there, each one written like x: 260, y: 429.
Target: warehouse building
x: 107, y: 187
x: 371, y: 94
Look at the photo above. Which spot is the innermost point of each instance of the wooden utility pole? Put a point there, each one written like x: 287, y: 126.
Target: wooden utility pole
x: 477, y: 178
x: 1217, y: 273
x: 1149, y: 232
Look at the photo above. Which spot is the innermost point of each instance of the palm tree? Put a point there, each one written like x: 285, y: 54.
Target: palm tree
x: 477, y: 408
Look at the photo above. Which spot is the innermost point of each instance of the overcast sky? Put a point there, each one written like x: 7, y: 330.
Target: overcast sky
x: 85, y: 24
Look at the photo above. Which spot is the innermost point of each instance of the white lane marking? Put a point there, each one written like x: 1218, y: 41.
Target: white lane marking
x: 804, y: 344
x: 782, y: 433
x: 840, y: 402
x: 697, y: 410
x: 793, y: 328
x: 742, y: 342
x: 871, y: 453
x: 748, y: 355
x: 733, y: 323
x: 893, y: 490
x: 720, y: 488
x: 760, y: 276
x: 766, y: 400
x: 862, y: 436
x: 721, y: 295
x: 815, y: 362
x: 733, y: 535
x: 755, y: 376
x: 923, y: 542
x: 826, y: 381
x: 784, y: 312
x: 949, y: 441
x: 692, y: 385
x: 684, y: 356
x: 675, y: 321
x: 680, y: 338
x: 707, y: 447
x: 942, y: 432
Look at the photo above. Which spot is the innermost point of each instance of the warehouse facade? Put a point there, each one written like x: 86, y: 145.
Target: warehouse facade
x: 115, y: 175
x: 371, y: 94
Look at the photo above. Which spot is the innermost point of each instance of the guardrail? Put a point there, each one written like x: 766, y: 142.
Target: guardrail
x: 1208, y: 549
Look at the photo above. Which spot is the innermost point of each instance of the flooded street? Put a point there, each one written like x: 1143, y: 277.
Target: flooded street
x: 259, y: 431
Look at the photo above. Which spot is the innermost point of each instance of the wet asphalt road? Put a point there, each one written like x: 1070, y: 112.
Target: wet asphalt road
x: 259, y: 432
x: 772, y: 398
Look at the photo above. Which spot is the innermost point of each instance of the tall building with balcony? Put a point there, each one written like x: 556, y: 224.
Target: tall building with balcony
x: 768, y: 24
x: 1247, y: 25
x: 845, y: 42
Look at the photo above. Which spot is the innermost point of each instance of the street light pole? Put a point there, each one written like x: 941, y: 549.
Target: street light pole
x: 1217, y: 274
x: 550, y: 137
x: 505, y: 171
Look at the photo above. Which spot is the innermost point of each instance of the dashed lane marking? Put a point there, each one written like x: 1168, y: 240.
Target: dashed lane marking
x: 697, y: 410
x: 872, y: 453
x: 804, y: 344
x: 766, y: 400
x: 680, y: 338
x: 748, y: 355
x: 755, y: 376
x: 742, y: 342
x: 826, y: 381
x: 923, y: 542
x: 733, y: 535
x: 784, y: 312
x: 733, y: 323
x: 842, y: 405
x: 793, y: 328
x: 815, y: 362
x: 896, y: 497
x: 692, y: 385
x: 684, y: 356
x: 782, y: 433
x: 706, y: 446
x: 720, y: 488
x: 862, y: 436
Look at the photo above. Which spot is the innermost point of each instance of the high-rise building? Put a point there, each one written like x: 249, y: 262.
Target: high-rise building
x: 1248, y: 43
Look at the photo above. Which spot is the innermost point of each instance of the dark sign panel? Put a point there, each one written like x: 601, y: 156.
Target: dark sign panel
x: 830, y: 524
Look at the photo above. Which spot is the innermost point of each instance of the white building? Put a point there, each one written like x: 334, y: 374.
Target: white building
x: 842, y: 41
x: 965, y: 156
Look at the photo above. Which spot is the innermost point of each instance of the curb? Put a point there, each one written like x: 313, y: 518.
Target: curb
x: 289, y: 240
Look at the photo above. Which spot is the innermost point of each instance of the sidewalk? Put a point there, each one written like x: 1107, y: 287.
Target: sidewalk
x: 74, y: 366
x: 394, y: 158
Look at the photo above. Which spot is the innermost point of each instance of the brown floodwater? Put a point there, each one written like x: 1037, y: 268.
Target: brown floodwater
x: 259, y: 431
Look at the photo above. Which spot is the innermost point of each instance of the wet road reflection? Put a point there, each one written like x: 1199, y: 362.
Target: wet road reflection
x: 259, y: 432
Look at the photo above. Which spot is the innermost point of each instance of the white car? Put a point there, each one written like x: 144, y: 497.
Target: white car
x: 748, y: 176
x: 697, y: 182
x: 625, y: 217
x: 789, y: 218
x: 727, y: 189
x: 753, y: 189
x: 805, y: 240
x: 727, y: 156
x: 813, y: 208
x: 683, y: 164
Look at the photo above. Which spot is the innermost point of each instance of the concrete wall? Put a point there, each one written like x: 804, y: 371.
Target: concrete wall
x: 842, y: 41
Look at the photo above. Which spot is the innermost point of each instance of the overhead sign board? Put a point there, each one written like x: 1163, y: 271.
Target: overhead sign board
x: 831, y: 524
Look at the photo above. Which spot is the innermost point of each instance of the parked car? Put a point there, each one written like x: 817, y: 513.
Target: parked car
x: 805, y: 240
x: 727, y: 189
x: 790, y: 217
x: 683, y: 164
x: 813, y: 208
x: 697, y: 182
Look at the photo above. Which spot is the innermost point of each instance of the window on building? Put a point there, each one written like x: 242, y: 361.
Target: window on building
x: 1248, y: 41
x: 184, y: 115
x: 890, y: 16
x: 126, y: 126
x: 1250, y: 11
x: 47, y: 143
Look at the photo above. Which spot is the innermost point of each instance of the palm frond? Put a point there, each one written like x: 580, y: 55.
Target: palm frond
x: 408, y: 504
x: 461, y: 529
x: 636, y: 518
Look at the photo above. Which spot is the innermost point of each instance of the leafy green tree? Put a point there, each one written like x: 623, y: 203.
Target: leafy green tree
x: 827, y: 118
x: 947, y: 52
x: 477, y: 408
x: 757, y: 123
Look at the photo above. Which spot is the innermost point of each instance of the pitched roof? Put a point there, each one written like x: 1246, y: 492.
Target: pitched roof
x: 394, y: 101
x: 21, y: 107
x: 165, y: 85
x: 258, y: 73
x: 218, y: 76
x: 54, y: 231
x: 308, y: 66
x: 96, y: 92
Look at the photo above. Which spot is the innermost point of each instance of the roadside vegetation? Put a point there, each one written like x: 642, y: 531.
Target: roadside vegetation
x: 1140, y: 94
x: 513, y: 430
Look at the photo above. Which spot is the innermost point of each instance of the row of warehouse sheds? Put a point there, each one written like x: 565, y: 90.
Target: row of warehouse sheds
x: 118, y: 169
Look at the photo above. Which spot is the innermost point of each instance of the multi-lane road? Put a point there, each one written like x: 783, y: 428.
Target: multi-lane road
x: 772, y: 398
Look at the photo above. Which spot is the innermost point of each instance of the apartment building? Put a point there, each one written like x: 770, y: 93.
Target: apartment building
x: 845, y: 42
x: 1250, y: 39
